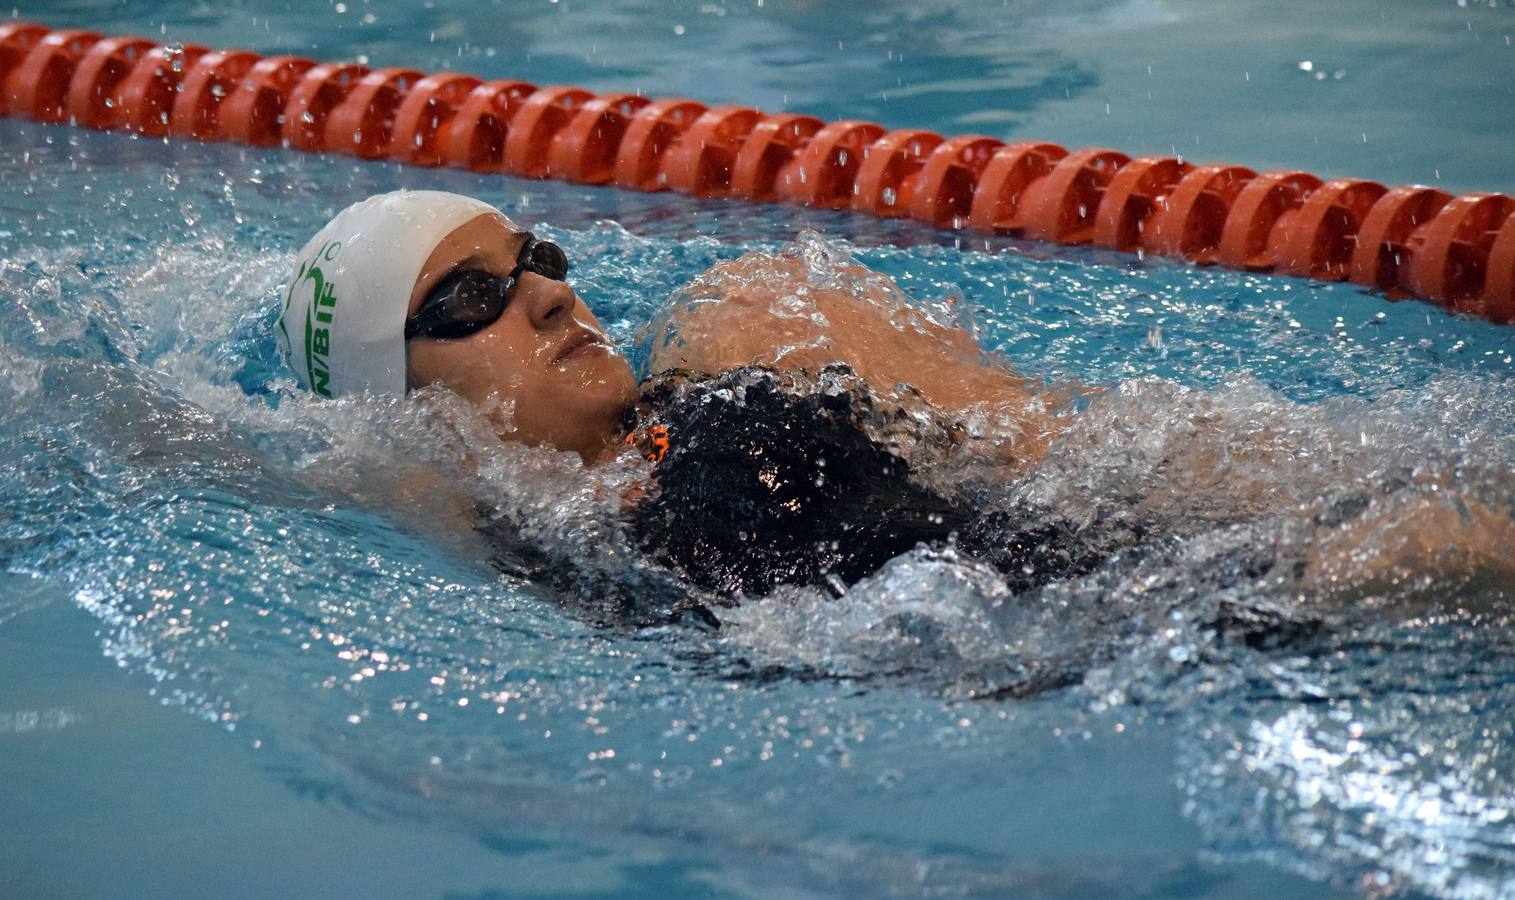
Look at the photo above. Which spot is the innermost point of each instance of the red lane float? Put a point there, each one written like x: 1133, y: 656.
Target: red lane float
x: 1383, y: 243
x: 474, y: 137
x: 320, y: 90
x: 1321, y: 241
x: 766, y: 151
x: 700, y: 160
x: 655, y: 129
x: 542, y: 115
x: 942, y: 193
x: 254, y: 113
x: 1061, y: 207
x: 584, y: 149
x: 1451, y: 255
x: 38, y: 84
x: 206, y: 85
x: 1191, y: 220
x: 823, y: 170
x: 363, y: 124
x: 886, y: 180
x: 1413, y: 241
x: 92, y: 90
x: 426, y: 112
x: 1006, y: 180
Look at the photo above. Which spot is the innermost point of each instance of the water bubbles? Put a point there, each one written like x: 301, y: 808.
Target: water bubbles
x: 1320, y: 73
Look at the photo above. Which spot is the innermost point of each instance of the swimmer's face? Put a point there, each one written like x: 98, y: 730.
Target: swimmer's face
x: 544, y: 370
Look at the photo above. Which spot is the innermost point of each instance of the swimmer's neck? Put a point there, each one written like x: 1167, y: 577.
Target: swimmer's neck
x: 604, y: 453
x: 614, y: 440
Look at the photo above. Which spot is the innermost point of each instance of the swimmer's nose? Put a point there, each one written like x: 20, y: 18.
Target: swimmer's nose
x: 550, y: 302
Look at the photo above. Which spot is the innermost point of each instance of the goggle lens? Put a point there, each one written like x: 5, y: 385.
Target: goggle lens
x: 470, y: 301
x: 545, y: 259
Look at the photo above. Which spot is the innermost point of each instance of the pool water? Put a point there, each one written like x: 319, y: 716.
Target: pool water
x: 232, y: 663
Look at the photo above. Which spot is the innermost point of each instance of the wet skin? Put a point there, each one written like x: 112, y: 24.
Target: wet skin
x: 766, y: 309
x: 544, y: 371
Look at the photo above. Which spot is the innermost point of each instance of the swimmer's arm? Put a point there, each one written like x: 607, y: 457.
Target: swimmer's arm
x: 1411, y: 541
x: 1016, y: 417
x: 763, y: 311
x: 440, y: 506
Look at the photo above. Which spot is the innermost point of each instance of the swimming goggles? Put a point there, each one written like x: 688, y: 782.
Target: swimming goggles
x: 469, y: 300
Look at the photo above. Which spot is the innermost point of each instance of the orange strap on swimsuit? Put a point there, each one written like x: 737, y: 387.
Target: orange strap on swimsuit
x: 651, y: 441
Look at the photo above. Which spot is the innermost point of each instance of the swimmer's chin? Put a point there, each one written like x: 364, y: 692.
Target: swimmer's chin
x: 594, y: 444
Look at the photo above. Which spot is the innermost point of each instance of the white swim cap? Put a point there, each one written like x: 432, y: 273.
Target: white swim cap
x: 343, y: 326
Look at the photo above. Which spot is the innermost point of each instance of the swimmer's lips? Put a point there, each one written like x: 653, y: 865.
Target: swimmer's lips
x: 584, y: 343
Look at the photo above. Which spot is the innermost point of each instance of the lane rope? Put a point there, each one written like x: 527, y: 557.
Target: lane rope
x: 1414, y: 241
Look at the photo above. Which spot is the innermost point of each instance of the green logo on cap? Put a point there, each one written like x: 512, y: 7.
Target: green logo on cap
x: 318, y: 317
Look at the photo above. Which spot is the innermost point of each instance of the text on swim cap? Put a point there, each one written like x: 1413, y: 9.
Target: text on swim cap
x: 319, y: 316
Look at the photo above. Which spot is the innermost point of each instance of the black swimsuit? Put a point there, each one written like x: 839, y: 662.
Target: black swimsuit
x: 771, y: 478
x: 766, y: 478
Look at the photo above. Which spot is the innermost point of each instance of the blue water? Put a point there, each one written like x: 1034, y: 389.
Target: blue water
x: 232, y: 663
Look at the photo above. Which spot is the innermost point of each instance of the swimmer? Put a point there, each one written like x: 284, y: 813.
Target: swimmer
x: 805, y: 477
x: 491, y: 316
x: 786, y: 443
